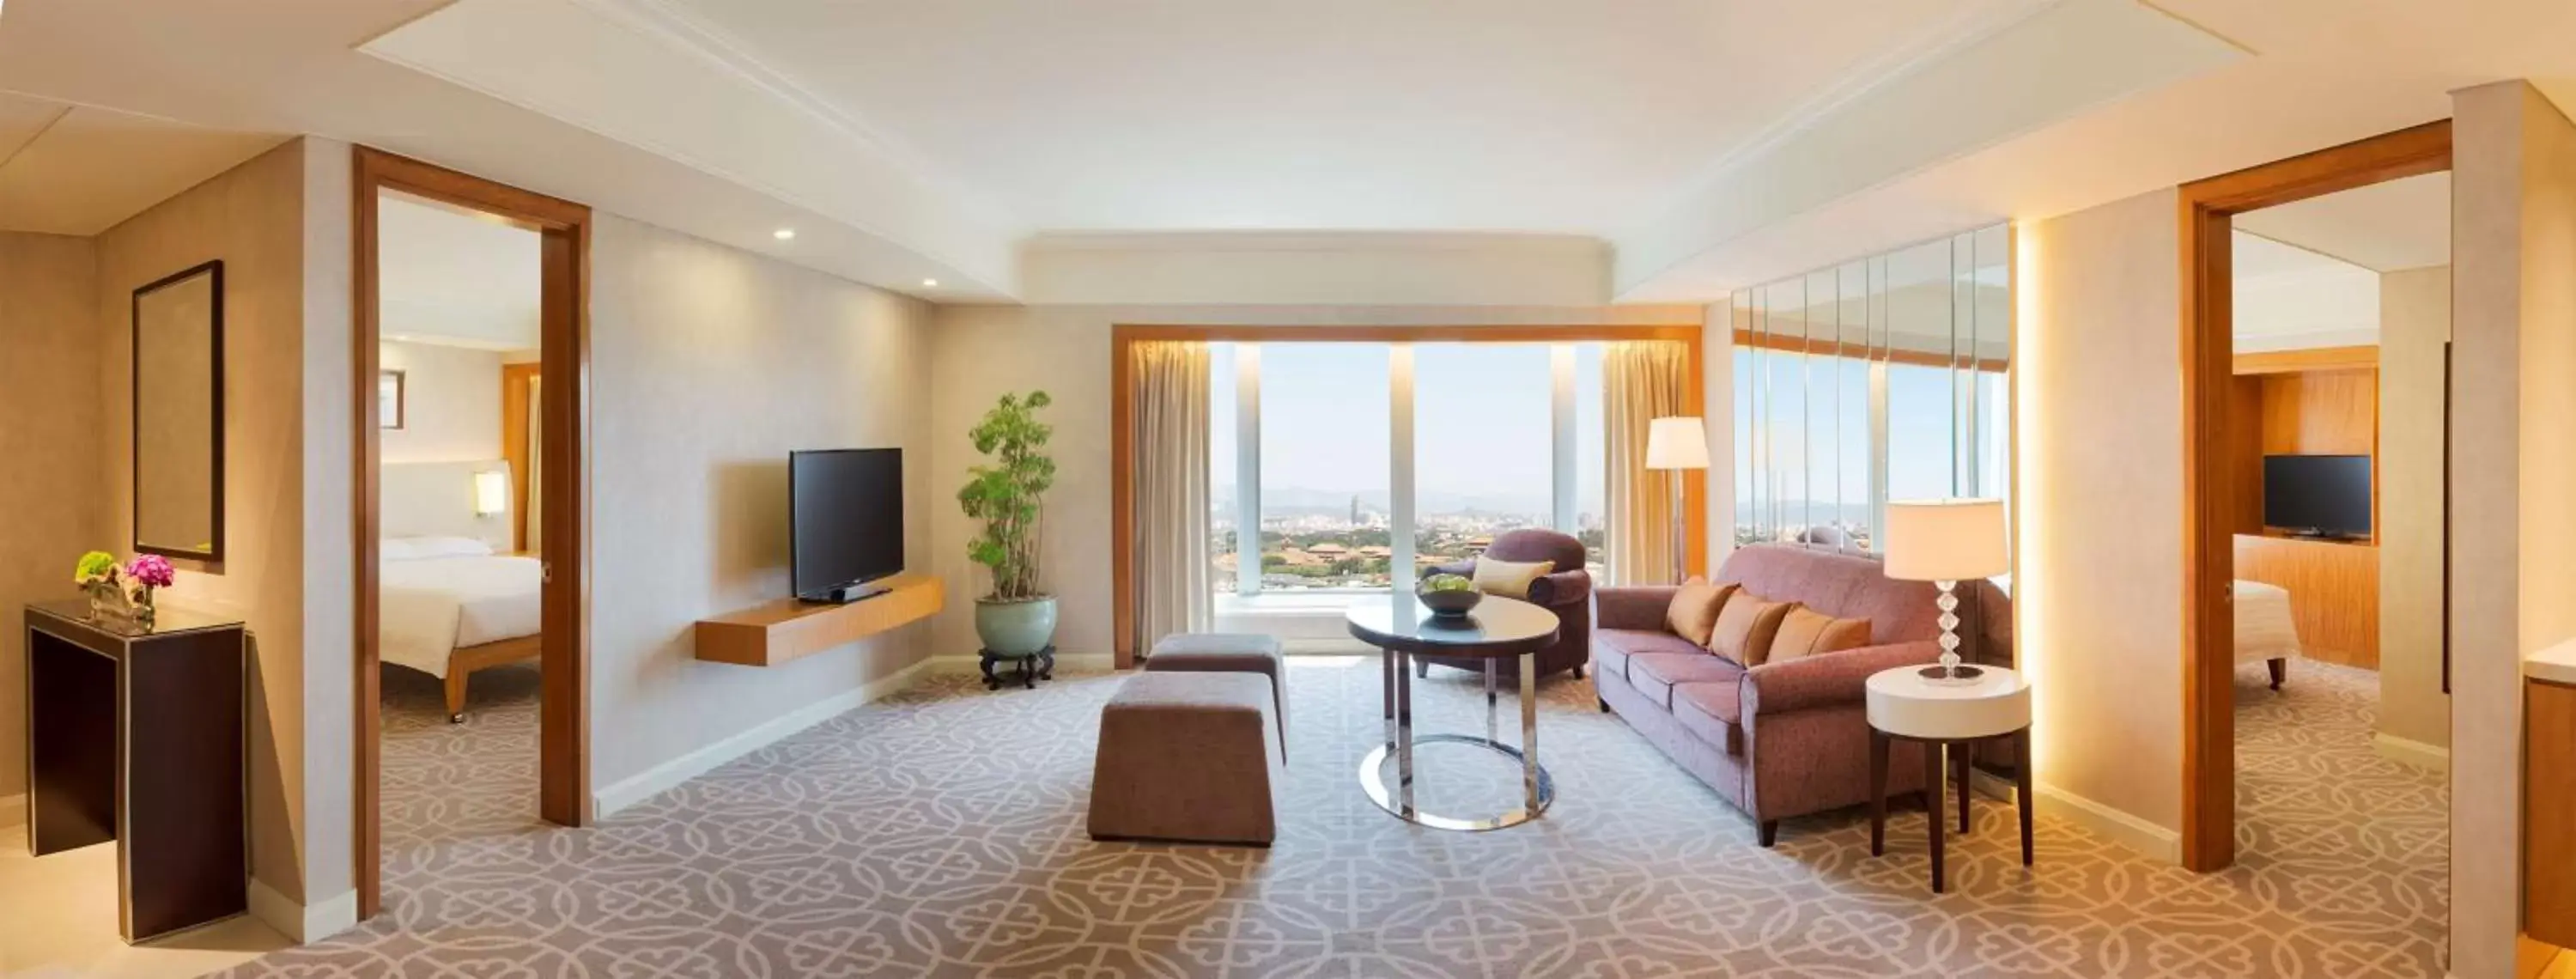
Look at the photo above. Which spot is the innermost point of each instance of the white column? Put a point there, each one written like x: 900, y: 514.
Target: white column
x: 1399, y: 490
x: 1560, y: 363
x: 1247, y: 468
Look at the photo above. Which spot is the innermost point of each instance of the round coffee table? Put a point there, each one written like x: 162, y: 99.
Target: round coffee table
x: 1497, y: 629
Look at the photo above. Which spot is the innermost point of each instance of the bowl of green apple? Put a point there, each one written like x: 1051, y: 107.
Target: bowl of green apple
x: 1449, y: 596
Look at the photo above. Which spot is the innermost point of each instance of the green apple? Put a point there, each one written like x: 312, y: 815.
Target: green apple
x: 1448, y: 582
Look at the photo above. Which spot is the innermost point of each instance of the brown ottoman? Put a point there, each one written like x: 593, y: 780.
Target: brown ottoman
x: 1227, y: 652
x: 1188, y: 756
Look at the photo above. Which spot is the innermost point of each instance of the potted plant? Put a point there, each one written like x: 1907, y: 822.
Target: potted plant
x: 1016, y: 619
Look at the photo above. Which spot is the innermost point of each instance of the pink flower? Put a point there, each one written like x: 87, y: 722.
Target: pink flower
x: 151, y: 570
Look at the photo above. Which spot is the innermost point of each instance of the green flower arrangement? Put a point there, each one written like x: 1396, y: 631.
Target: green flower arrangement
x: 95, y: 568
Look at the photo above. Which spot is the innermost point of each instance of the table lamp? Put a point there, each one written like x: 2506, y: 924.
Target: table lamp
x: 1946, y: 542
x: 1673, y: 445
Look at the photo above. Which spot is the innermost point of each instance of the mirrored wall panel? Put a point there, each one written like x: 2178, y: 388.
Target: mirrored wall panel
x: 1880, y: 379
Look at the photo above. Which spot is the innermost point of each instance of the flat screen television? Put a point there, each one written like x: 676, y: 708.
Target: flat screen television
x: 845, y: 519
x: 2317, y: 495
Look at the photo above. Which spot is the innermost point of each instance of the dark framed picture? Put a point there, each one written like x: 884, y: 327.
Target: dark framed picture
x: 389, y: 399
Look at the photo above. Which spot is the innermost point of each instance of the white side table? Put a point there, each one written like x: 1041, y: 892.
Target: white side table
x: 1903, y: 704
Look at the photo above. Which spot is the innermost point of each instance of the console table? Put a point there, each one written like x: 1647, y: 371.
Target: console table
x: 136, y: 735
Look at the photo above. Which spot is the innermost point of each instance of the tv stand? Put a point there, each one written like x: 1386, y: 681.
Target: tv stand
x: 790, y: 629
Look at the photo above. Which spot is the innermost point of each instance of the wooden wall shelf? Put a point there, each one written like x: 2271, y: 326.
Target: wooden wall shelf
x: 785, y: 630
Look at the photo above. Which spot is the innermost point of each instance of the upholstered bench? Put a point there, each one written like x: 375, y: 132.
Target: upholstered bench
x: 1227, y: 652
x: 1188, y: 756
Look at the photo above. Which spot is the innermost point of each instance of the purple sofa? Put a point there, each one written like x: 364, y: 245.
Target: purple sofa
x: 1781, y: 739
x: 1566, y: 592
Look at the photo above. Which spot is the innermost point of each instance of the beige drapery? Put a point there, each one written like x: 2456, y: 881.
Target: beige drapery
x: 1640, y: 382
x: 1168, y: 389
x: 536, y: 463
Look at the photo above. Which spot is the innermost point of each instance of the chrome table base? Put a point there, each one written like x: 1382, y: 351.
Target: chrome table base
x: 1537, y: 788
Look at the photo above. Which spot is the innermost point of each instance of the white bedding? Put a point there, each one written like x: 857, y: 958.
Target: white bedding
x: 2264, y: 629
x: 430, y: 607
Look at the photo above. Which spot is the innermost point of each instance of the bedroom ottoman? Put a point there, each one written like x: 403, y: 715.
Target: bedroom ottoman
x: 1188, y: 756
x: 1228, y: 652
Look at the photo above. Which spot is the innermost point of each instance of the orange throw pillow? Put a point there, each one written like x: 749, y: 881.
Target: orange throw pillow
x: 1806, y: 632
x: 1693, y: 612
x: 1745, y: 626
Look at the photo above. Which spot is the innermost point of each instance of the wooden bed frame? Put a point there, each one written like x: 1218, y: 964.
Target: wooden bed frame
x: 463, y: 663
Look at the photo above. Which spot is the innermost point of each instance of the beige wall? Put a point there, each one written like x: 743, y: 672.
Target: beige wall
x: 2415, y: 323
x: 708, y: 365
x: 2513, y: 347
x: 983, y: 351
x: 51, y: 433
x: 2100, y: 585
x: 452, y: 398
x: 280, y: 224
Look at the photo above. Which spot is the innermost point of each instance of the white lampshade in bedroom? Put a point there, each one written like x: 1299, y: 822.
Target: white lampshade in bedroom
x: 1679, y: 442
x: 491, y: 492
x: 1945, y: 540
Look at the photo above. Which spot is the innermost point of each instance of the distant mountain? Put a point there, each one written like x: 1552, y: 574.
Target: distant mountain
x: 1304, y: 500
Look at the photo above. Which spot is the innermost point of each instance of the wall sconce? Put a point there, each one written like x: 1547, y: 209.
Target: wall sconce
x: 491, y: 493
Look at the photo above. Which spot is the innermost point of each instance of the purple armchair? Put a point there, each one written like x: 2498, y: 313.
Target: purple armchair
x: 1568, y: 593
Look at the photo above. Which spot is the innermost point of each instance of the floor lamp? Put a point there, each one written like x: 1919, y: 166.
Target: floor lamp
x: 1674, y: 445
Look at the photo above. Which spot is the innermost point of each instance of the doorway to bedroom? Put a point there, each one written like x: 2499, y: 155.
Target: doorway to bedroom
x: 2318, y: 296
x: 469, y: 557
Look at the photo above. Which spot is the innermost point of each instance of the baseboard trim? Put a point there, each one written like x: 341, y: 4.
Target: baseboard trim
x: 2409, y: 752
x: 668, y: 775
x: 13, y: 810
x: 2130, y: 831
x: 303, y: 924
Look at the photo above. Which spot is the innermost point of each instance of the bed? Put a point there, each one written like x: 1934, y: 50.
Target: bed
x: 449, y: 606
x: 2265, y: 632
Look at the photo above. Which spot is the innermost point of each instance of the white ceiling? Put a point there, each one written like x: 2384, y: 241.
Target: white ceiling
x: 78, y: 170
x: 2288, y: 297
x: 2400, y: 224
x: 1710, y: 145
x: 457, y: 278
x: 1507, y: 115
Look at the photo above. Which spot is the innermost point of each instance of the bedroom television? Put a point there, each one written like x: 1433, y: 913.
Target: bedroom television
x: 2317, y: 495
x: 845, y: 521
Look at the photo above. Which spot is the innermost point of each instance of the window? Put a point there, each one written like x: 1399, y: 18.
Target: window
x: 1311, y: 499
x: 1879, y: 379
x: 1484, y: 440
x: 1325, y: 430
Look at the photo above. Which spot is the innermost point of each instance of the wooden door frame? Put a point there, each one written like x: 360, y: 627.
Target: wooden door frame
x: 1122, y: 490
x: 2210, y: 493
x: 563, y: 726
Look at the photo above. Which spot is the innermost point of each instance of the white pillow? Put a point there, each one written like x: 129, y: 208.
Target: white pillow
x: 395, y: 549
x: 423, y: 548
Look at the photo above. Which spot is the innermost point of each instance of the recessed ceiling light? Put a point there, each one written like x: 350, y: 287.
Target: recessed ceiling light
x: 783, y: 234
x: 930, y: 283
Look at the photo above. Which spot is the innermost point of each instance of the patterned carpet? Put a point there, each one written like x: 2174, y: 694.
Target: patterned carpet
x: 940, y: 833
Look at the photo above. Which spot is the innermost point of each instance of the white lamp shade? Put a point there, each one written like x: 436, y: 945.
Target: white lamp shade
x: 1945, y: 540
x: 491, y: 493
x: 1680, y: 442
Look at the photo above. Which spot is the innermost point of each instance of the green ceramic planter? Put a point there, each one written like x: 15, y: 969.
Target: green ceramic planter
x: 1016, y: 628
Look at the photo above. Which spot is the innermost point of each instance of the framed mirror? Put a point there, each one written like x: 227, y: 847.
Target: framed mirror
x: 179, y: 415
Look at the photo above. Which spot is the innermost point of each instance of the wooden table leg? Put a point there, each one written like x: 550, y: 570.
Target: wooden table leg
x: 2021, y: 788
x: 1933, y: 776
x: 1877, y: 792
x: 1960, y: 755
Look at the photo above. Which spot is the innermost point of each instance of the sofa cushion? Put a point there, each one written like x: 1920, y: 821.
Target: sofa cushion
x: 1745, y: 626
x: 1807, y: 632
x: 1655, y: 674
x: 1693, y: 612
x: 1713, y: 710
x: 1510, y: 579
x: 1612, y: 647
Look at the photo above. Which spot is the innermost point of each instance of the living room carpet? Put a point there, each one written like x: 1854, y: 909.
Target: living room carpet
x: 940, y: 832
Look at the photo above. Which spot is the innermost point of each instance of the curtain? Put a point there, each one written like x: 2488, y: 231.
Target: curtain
x: 1640, y: 382
x: 536, y: 463
x: 1168, y: 389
